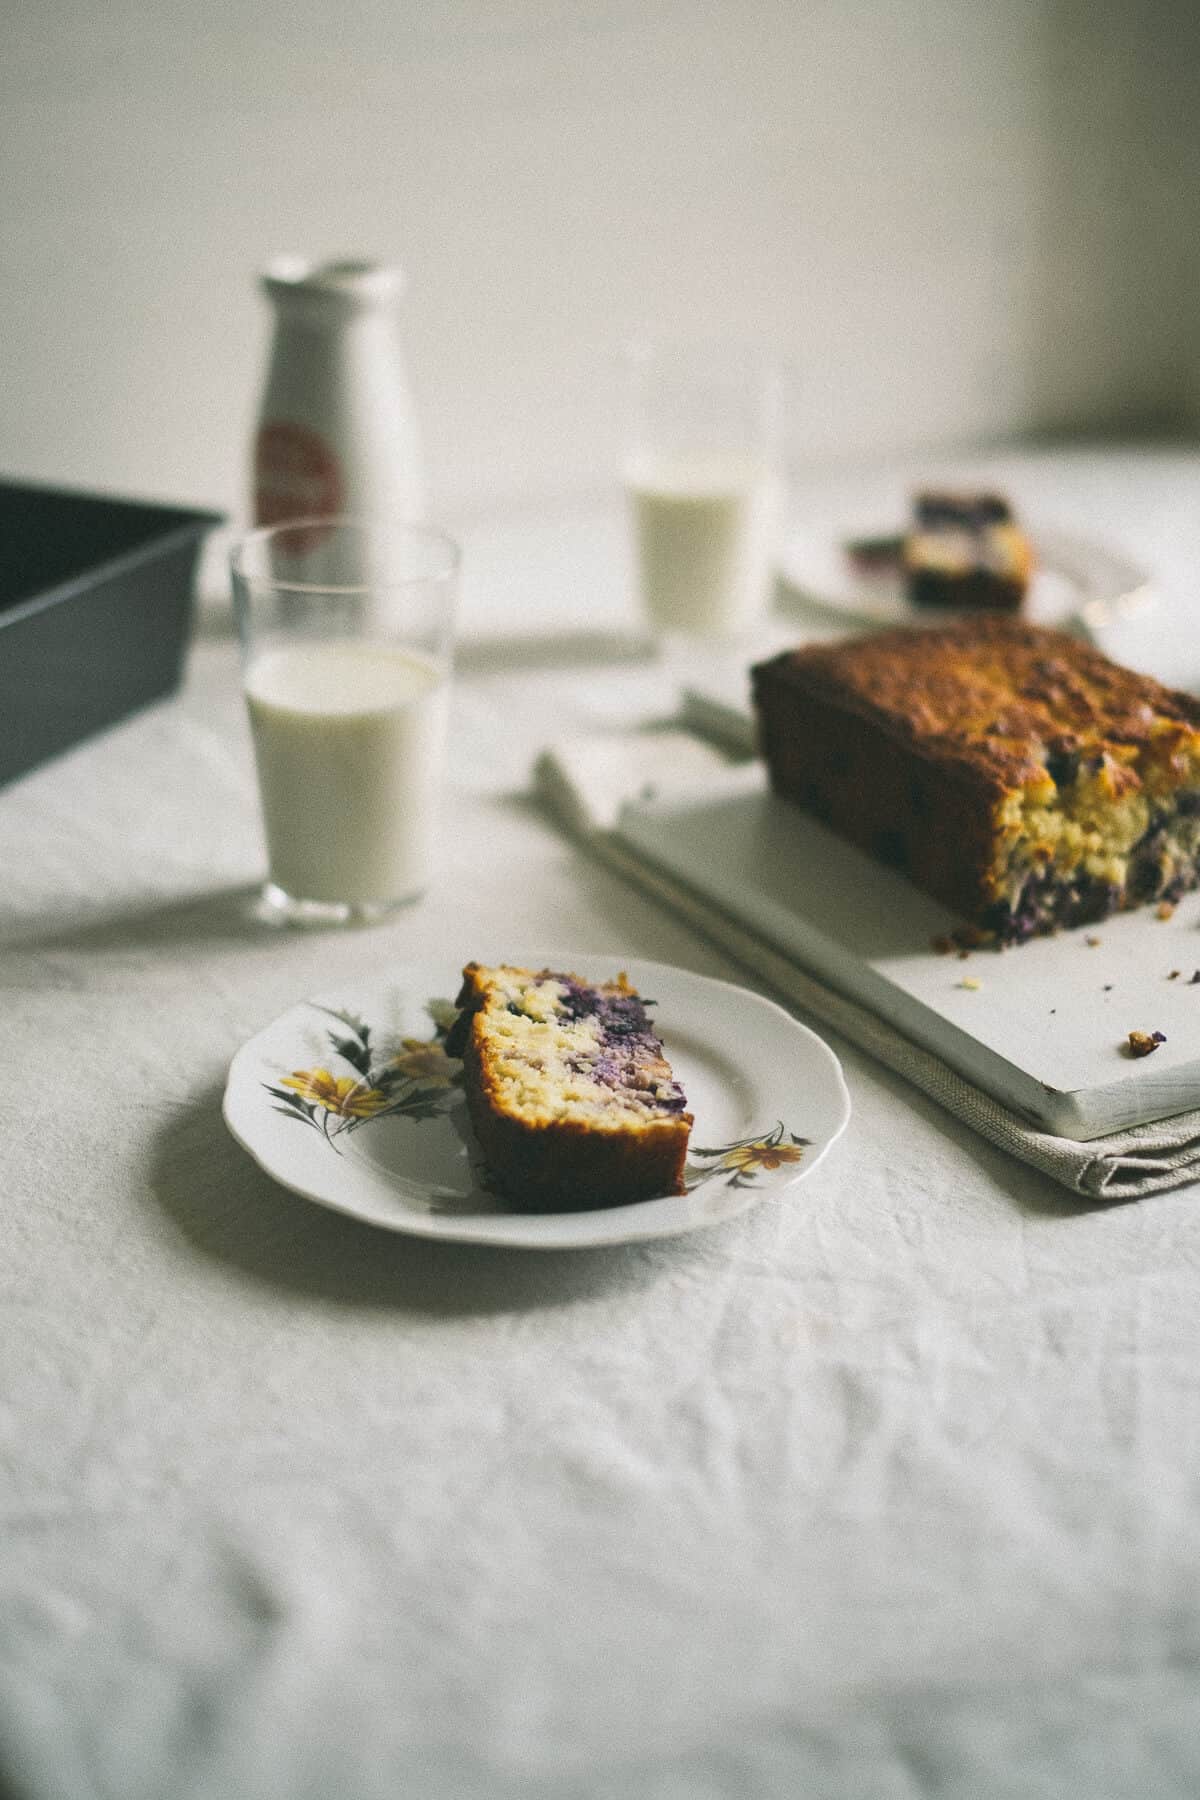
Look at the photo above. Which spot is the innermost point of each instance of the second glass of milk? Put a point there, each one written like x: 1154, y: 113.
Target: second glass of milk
x: 702, y: 476
x: 346, y: 629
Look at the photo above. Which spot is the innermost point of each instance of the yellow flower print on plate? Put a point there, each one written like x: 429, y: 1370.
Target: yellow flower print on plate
x: 341, y: 1094
x: 744, y: 1161
x: 417, y: 1080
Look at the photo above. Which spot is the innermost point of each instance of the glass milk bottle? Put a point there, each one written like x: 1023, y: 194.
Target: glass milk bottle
x: 336, y: 427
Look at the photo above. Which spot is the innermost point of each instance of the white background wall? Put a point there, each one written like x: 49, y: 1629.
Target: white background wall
x: 963, y: 218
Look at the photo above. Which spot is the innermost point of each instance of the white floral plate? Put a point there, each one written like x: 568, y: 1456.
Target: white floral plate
x: 351, y: 1101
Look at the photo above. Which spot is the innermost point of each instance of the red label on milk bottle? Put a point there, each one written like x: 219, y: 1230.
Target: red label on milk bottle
x: 296, y: 474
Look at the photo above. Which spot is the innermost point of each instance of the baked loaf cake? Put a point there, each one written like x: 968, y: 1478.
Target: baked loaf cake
x: 571, y: 1097
x: 1014, y: 773
x: 966, y: 550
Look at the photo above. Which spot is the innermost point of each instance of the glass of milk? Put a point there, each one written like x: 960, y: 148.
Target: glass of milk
x: 346, y: 630
x: 703, y: 480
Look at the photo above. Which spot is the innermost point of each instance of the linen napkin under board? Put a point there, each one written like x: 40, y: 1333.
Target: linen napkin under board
x: 585, y: 782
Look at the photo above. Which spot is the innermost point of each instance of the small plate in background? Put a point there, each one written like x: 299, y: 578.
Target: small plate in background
x: 1079, y: 584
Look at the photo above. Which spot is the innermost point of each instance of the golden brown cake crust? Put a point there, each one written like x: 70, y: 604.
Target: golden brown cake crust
x: 989, y: 694
x: 916, y: 744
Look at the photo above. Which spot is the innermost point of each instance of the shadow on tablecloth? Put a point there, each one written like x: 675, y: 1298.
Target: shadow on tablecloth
x: 225, y: 918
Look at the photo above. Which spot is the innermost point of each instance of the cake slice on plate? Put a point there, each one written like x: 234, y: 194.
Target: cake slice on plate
x: 573, y: 1101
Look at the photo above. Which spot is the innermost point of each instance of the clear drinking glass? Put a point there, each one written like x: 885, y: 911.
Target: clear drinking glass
x: 346, y: 629
x: 703, y: 479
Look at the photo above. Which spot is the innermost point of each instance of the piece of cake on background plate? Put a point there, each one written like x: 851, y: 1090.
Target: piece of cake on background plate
x: 966, y: 550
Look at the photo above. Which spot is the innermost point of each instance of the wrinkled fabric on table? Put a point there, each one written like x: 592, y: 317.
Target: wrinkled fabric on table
x: 887, y: 1488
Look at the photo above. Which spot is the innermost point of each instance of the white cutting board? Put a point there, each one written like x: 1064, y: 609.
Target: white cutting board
x: 1046, y: 1029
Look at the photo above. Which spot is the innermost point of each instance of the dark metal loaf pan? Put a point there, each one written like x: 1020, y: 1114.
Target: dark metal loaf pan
x: 95, y: 612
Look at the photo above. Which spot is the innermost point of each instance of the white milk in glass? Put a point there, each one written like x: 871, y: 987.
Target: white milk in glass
x: 706, y: 537
x: 349, y: 740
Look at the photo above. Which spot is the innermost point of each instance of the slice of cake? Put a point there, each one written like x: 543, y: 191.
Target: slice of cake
x: 1014, y: 773
x: 966, y: 550
x: 571, y: 1097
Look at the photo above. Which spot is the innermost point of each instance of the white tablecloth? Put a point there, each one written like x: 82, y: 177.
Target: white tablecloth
x: 887, y: 1488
